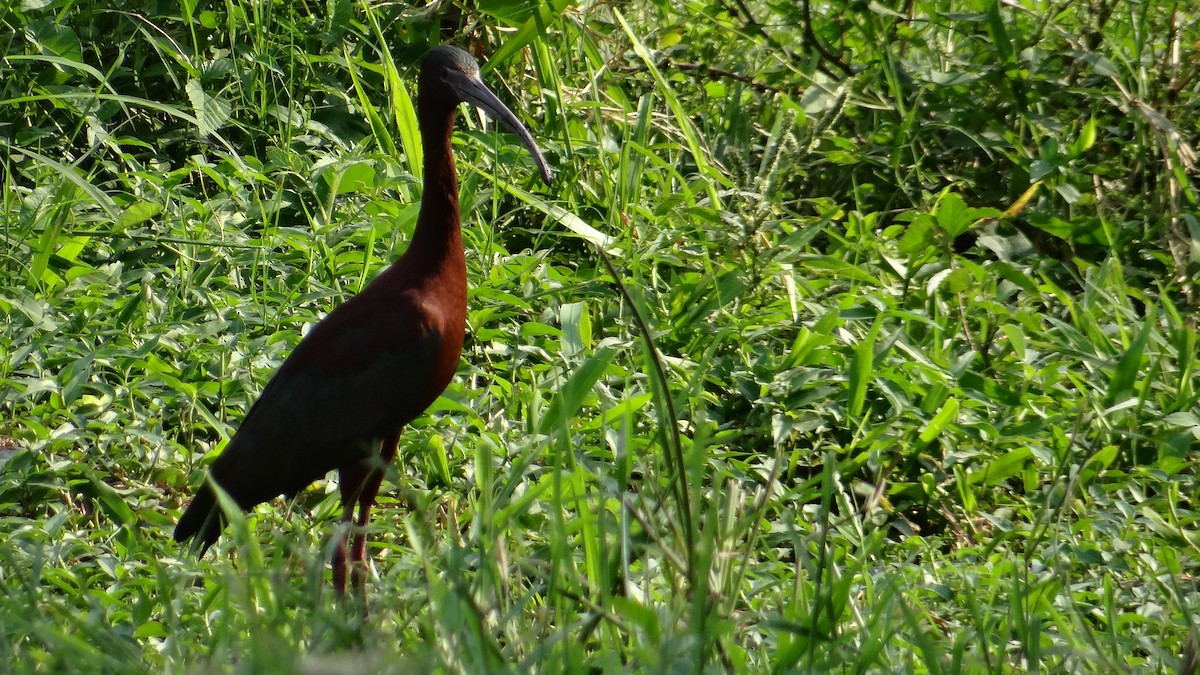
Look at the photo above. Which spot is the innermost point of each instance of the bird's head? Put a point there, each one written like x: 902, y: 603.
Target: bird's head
x: 450, y: 76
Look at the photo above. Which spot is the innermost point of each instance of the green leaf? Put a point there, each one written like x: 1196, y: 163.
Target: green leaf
x: 1098, y: 463
x: 211, y: 111
x: 112, y: 503
x: 945, y: 415
x: 861, y: 369
x: 1016, y: 338
x: 150, y: 629
x: 351, y: 178
x: 403, y: 111
x: 510, y: 12
x: 999, y: 470
x: 548, y: 13
x: 137, y: 213
x: 1086, y: 138
x: 1004, y: 49
x: 75, y: 375
x: 577, y: 328
x: 625, y: 408
x: 439, y: 458
x: 918, y: 236
x: 563, y: 217
x: 570, y: 397
x: 952, y: 215
x: 55, y: 39
x: 709, y: 296
x: 1130, y: 364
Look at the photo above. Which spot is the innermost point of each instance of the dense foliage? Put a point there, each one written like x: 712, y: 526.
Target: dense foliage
x: 851, y: 337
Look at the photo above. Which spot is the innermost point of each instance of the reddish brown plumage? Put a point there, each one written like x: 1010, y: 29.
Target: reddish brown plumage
x: 341, y: 399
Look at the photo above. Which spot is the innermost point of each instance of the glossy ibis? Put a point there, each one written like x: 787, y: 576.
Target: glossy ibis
x: 340, y: 400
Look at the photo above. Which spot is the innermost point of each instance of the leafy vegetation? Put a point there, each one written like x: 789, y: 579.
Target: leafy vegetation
x: 851, y: 337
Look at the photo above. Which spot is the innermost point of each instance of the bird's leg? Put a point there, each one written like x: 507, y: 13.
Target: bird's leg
x: 366, y: 499
x: 350, y: 483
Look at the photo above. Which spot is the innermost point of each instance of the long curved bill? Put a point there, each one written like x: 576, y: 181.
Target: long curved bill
x: 472, y: 90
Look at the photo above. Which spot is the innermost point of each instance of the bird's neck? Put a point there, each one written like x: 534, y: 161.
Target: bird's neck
x: 438, y: 232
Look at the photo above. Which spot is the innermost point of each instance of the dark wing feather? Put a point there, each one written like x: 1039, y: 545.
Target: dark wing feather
x: 355, y: 379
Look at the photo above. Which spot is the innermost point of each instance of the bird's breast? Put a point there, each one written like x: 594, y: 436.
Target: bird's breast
x: 450, y: 319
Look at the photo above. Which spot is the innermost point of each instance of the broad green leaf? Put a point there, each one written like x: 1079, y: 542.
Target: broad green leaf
x: 137, y: 213
x: 577, y: 331
x: 211, y: 111
x: 354, y: 177
x: 55, y: 39
x: 1002, y: 468
x: 952, y: 215
x: 1098, y: 463
x: 918, y: 236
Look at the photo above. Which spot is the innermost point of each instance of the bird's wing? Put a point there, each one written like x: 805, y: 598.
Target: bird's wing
x: 356, y: 378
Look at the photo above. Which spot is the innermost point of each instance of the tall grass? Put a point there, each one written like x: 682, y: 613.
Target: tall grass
x: 850, y: 338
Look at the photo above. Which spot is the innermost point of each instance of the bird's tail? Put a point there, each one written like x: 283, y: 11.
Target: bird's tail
x: 202, y: 520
